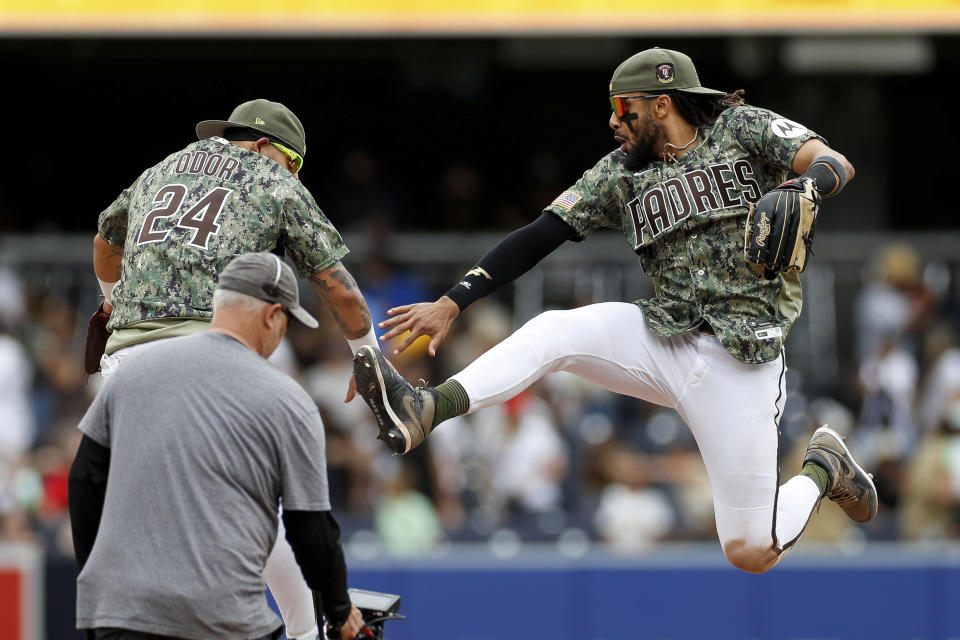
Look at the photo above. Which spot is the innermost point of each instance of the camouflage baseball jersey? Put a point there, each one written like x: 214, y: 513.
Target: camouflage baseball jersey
x: 685, y: 220
x: 184, y: 219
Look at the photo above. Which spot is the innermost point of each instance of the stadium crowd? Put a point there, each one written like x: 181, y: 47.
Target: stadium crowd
x: 563, y: 461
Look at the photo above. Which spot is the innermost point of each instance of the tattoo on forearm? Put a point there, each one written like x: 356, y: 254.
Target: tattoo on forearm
x: 332, y: 278
x: 329, y: 285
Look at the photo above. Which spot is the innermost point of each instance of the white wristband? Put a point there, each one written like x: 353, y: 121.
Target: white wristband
x: 369, y: 339
x: 107, y: 288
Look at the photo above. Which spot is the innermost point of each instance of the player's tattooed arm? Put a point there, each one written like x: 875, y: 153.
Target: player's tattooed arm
x: 339, y: 291
x: 108, y: 265
x: 107, y: 260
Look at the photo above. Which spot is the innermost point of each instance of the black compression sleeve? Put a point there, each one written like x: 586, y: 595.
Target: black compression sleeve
x: 314, y: 537
x: 512, y: 257
x: 87, y: 488
x: 824, y: 180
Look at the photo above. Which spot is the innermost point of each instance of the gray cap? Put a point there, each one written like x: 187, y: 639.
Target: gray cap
x: 265, y: 276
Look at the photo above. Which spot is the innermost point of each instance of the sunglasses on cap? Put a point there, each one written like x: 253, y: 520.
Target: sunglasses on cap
x: 619, y: 103
x: 295, y: 157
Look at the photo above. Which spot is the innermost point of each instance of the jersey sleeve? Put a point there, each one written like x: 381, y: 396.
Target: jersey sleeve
x: 591, y: 202
x: 303, y: 463
x: 310, y: 239
x: 112, y: 224
x: 768, y: 135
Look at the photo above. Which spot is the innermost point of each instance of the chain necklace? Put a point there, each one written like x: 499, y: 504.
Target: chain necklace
x: 670, y: 156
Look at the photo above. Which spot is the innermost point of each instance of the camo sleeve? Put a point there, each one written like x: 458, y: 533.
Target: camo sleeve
x: 591, y: 203
x: 768, y: 135
x: 310, y: 239
x: 112, y: 224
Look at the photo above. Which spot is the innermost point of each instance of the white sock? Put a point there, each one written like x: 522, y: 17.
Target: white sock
x: 795, y: 502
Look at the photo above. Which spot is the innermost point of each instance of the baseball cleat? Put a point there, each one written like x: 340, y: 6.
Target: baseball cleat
x: 404, y: 413
x: 850, y: 486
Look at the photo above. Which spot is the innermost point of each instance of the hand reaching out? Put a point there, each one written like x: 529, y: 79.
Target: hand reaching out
x: 420, y: 319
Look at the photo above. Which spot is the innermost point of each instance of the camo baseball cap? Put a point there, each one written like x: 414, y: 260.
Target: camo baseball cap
x: 656, y: 70
x: 265, y: 276
x: 272, y: 119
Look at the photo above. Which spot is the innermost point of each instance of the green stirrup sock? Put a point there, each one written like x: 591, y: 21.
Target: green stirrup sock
x: 818, y: 474
x: 452, y: 401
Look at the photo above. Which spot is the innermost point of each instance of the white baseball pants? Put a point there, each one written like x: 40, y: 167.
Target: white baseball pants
x: 732, y: 409
x: 282, y: 573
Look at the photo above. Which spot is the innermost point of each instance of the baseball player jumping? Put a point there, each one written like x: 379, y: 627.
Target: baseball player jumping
x: 162, y: 244
x: 718, y: 199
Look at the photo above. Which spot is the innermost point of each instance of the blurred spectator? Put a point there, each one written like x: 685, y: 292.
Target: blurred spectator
x: 633, y: 519
x: 931, y: 492
x: 940, y: 385
x: 53, y: 342
x: 649, y: 498
x: 52, y: 461
x: 405, y: 520
x: 891, y: 310
x: 526, y: 457
x: 888, y: 380
x: 13, y: 308
x: 16, y: 413
x: 895, y: 303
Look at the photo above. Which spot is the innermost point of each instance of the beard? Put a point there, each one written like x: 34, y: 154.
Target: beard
x: 642, y: 151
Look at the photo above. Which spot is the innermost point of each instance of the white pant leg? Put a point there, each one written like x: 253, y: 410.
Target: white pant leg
x: 606, y: 343
x: 294, y: 598
x: 733, y: 410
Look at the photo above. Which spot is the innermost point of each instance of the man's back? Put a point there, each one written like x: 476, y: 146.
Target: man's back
x: 205, y: 436
x: 185, y: 218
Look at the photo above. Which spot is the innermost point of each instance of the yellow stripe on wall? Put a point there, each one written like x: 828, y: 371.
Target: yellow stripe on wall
x: 474, y: 15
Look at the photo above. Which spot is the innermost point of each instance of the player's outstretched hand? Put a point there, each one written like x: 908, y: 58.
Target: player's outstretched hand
x: 421, y: 319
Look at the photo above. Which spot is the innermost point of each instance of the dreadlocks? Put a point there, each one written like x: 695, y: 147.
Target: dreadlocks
x: 702, y: 110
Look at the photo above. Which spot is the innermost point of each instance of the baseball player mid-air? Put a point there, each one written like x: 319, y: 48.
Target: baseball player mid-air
x: 163, y: 243
x: 718, y: 200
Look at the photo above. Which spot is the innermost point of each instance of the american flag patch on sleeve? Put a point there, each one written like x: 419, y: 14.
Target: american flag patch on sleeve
x: 567, y: 199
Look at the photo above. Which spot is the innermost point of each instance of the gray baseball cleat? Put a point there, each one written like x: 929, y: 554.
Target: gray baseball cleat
x: 850, y: 486
x: 404, y: 413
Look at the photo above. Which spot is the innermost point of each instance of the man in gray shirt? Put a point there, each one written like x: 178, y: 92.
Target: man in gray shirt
x: 187, y: 452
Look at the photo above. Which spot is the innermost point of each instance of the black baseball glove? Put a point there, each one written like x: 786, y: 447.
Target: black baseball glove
x: 97, y: 335
x: 780, y: 228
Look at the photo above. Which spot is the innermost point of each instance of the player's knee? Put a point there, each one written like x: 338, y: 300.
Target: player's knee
x: 750, y: 558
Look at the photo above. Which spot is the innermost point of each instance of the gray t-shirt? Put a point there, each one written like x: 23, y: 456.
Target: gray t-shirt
x: 205, y: 438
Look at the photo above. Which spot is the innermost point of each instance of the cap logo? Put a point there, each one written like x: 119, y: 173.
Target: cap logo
x: 665, y: 73
x: 259, y: 121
